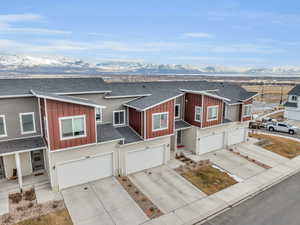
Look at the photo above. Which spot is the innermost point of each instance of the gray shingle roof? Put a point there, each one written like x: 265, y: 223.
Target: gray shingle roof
x: 161, y: 91
x: 65, y: 98
x: 295, y: 90
x: 21, y: 145
x: 11, y: 87
x: 290, y: 104
x: 153, y: 92
x: 107, y: 132
x: 180, y: 124
x: 129, y: 135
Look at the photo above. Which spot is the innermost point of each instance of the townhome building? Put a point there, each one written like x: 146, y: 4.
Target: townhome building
x: 76, y: 130
x: 292, y: 105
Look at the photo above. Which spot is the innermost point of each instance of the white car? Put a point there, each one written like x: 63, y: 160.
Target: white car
x: 282, y: 127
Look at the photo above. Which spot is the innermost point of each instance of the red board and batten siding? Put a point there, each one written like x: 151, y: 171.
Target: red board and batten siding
x: 193, y: 100
x: 209, y: 101
x: 164, y: 107
x: 248, y: 102
x: 55, y: 110
x: 136, y: 121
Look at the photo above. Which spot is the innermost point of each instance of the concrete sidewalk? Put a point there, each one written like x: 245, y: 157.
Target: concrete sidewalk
x: 203, y: 209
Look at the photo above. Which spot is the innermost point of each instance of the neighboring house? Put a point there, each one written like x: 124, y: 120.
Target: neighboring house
x: 83, y: 129
x: 292, y: 105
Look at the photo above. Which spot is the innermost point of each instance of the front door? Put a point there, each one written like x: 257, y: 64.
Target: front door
x: 37, y: 160
x: 2, y: 172
x: 179, y: 137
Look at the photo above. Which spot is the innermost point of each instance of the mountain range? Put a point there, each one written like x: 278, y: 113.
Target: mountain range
x: 63, y: 65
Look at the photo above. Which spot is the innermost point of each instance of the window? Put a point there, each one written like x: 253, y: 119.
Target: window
x: 177, y: 111
x: 198, y: 112
x: 159, y: 121
x: 212, y: 113
x: 98, y: 115
x: 294, y: 98
x: 282, y: 125
x: 119, y: 117
x: 27, y: 123
x: 2, y: 126
x: 72, y: 127
x: 247, y: 110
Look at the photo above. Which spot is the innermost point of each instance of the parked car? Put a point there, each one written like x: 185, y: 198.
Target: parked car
x: 282, y: 127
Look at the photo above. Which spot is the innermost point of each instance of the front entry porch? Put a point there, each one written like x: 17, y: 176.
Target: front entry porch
x: 29, y: 181
x: 180, y: 141
x: 22, y: 163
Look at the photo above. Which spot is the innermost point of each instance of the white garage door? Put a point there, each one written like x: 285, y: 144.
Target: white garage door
x: 85, y: 170
x: 236, y: 136
x: 144, y: 159
x: 211, y: 143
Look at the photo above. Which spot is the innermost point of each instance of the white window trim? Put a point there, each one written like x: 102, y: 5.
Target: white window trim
x: 21, y: 123
x: 118, y: 111
x: 247, y: 115
x: 179, y: 111
x: 155, y: 114
x: 101, y: 114
x: 214, y: 106
x: 71, y: 117
x: 195, y: 118
x: 4, y: 124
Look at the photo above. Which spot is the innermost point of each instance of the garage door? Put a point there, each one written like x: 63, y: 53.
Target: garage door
x: 211, y: 143
x: 236, y: 136
x: 85, y: 170
x: 144, y: 159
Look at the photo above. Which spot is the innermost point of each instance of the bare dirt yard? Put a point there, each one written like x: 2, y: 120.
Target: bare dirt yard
x: 60, y: 217
x: 282, y: 146
x: 209, y: 179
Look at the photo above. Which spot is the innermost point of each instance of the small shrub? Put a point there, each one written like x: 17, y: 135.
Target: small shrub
x: 7, y: 218
x: 30, y: 205
x: 30, y: 195
x: 15, y: 198
x: 20, y: 208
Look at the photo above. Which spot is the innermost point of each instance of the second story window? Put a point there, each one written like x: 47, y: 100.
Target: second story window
x: 72, y: 127
x: 2, y: 126
x: 159, y: 121
x: 247, y: 110
x: 27, y: 123
x: 212, y: 113
x: 177, y: 111
x: 119, y: 117
x: 98, y: 115
x: 198, y: 112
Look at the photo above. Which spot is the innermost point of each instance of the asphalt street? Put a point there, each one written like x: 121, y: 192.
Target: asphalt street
x: 279, y: 205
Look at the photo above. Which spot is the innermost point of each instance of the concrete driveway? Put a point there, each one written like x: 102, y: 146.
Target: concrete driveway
x: 232, y: 163
x: 260, y: 154
x: 165, y: 188
x: 102, y: 202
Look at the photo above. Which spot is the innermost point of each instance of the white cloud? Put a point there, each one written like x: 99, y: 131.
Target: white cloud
x: 7, y: 21
x: 197, y: 35
x: 10, y: 18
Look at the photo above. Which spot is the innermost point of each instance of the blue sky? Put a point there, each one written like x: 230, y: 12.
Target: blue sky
x: 215, y: 32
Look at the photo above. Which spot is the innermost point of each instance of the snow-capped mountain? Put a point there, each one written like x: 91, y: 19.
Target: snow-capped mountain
x: 63, y: 65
